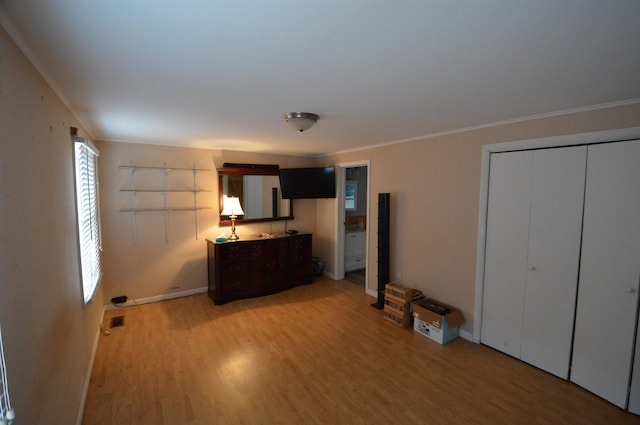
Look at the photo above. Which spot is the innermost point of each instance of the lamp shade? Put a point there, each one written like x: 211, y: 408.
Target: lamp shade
x: 231, y: 206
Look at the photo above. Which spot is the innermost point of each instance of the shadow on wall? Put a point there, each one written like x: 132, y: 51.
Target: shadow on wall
x: 191, y: 275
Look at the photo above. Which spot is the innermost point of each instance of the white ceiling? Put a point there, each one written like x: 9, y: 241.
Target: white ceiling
x: 220, y: 74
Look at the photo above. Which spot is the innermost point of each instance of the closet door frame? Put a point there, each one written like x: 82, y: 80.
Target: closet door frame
x: 546, y: 142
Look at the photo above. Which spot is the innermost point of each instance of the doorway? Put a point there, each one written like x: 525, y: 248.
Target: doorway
x: 353, y: 222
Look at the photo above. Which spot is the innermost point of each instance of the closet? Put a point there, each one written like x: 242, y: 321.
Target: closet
x: 562, y: 262
x: 606, y: 314
x: 532, y: 254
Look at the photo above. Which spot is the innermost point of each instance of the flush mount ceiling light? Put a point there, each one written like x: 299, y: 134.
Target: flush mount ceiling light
x: 301, y: 121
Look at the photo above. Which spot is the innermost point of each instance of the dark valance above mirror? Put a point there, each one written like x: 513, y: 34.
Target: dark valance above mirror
x: 258, y: 188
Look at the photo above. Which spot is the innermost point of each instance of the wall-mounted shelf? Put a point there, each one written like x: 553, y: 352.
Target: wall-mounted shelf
x: 165, y: 190
x: 162, y: 209
x: 134, y: 167
x: 162, y: 190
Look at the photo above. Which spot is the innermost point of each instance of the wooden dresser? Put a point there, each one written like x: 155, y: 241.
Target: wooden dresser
x: 252, y: 267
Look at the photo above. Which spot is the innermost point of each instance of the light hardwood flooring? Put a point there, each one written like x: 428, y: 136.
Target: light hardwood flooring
x: 356, y: 276
x: 316, y: 354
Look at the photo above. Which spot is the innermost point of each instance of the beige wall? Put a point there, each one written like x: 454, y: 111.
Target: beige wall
x: 48, y: 333
x: 435, y: 192
x: 147, y: 263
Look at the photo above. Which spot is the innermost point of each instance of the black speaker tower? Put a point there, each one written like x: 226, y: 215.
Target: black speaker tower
x: 384, y: 211
x: 274, y: 202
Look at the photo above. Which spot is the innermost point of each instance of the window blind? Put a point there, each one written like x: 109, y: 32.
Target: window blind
x: 7, y: 414
x: 87, y: 200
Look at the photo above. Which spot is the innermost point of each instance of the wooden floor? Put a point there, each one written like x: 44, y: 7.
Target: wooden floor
x: 357, y: 276
x: 317, y: 354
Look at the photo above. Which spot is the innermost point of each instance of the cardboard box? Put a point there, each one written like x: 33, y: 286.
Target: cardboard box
x: 401, y: 292
x: 441, y: 328
x: 397, y: 304
x: 398, y: 319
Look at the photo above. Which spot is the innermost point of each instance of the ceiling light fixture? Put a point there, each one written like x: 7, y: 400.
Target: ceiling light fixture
x: 301, y: 121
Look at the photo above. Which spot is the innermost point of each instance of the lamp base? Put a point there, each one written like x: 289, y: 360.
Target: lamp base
x: 233, y: 236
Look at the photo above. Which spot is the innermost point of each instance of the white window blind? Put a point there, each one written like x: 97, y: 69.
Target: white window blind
x: 87, y: 200
x: 7, y: 414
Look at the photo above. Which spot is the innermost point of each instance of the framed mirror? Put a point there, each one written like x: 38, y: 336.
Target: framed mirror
x: 258, y: 188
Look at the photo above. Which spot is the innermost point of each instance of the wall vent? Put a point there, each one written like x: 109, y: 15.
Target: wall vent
x: 117, y: 321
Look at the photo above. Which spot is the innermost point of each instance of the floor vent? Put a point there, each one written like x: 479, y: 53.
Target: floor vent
x: 117, y: 321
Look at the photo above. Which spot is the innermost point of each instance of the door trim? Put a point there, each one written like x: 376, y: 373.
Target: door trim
x: 340, y: 216
x: 618, y: 135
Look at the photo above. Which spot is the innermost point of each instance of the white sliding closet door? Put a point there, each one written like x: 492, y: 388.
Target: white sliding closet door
x: 607, y: 305
x: 554, y: 257
x: 507, y: 240
x: 534, y: 222
x: 634, y: 391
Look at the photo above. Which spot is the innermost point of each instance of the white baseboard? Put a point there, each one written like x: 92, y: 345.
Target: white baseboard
x: 372, y: 293
x: 331, y: 276
x: 466, y: 335
x: 156, y: 298
x: 87, y: 379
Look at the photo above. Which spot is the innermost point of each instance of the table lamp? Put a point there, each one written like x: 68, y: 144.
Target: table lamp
x: 231, y: 207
